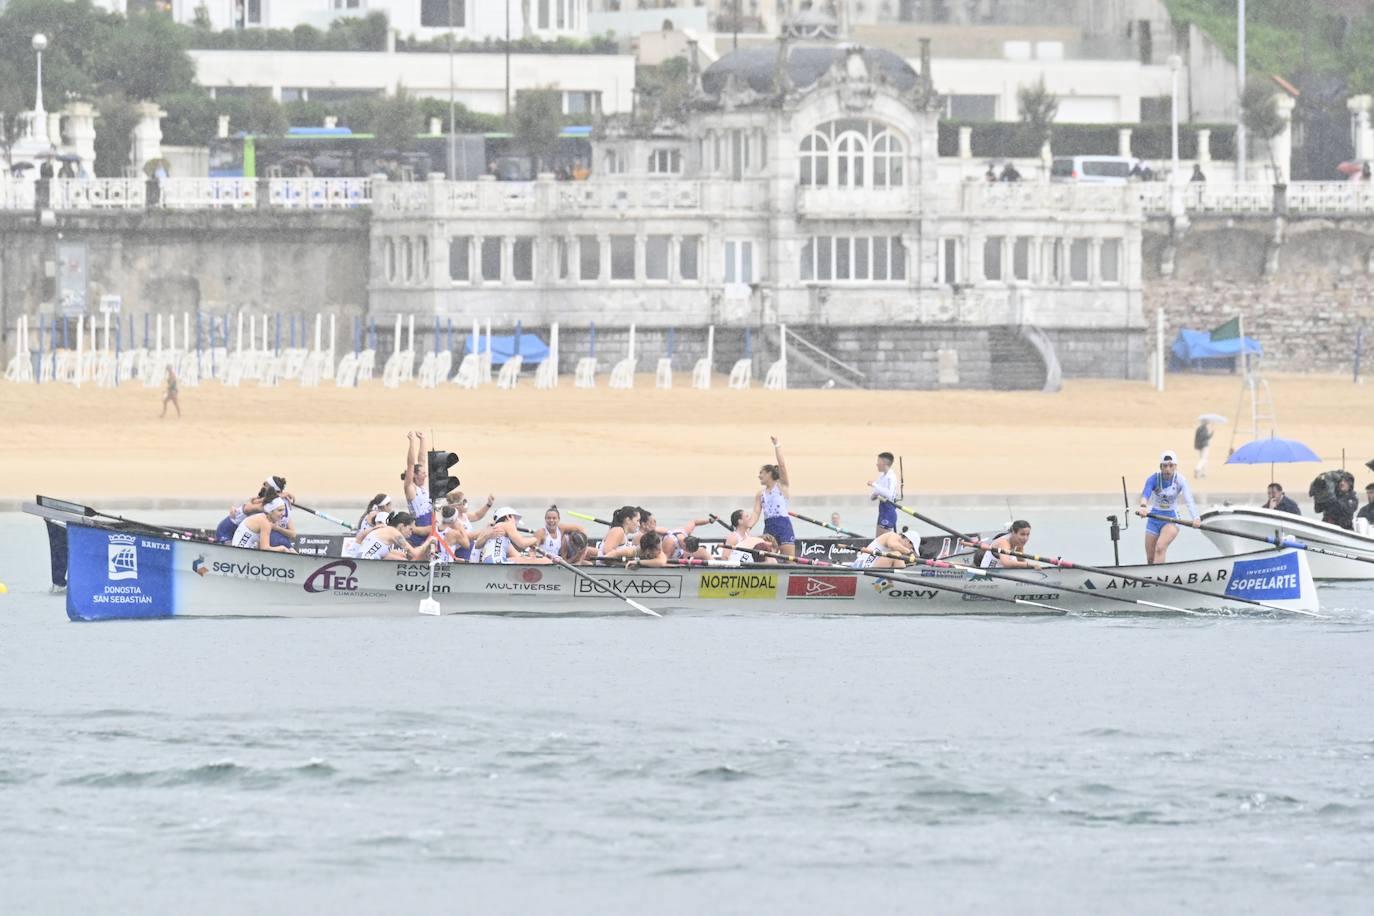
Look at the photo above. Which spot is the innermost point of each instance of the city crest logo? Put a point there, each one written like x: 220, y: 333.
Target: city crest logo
x: 122, y: 558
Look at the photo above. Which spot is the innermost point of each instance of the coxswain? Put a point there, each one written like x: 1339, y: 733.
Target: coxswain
x: 392, y: 540
x: 415, y: 479
x: 882, y: 550
x: 883, y: 488
x: 255, y: 531
x: 771, y: 502
x: 1002, y: 553
x: 1161, y: 496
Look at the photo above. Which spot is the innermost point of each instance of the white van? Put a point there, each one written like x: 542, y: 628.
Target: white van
x: 1093, y: 169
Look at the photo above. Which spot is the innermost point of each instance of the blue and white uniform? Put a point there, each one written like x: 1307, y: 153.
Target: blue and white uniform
x: 775, y: 518
x: 225, y: 529
x: 550, y: 541
x: 1162, y: 498
x: 496, y: 550
x: 423, y: 509
x: 374, y: 548
x: 885, y: 488
x: 245, y: 537
x: 278, y: 539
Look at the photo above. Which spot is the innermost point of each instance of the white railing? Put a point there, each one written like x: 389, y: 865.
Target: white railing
x: 319, y: 193
x: 16, y: 194
x: 188, y: 193
x: 97, y: 193
x: 209, y: 193
x: 1259, y: 198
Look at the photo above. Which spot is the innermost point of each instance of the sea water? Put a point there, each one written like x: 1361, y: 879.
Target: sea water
x: 737, y: 764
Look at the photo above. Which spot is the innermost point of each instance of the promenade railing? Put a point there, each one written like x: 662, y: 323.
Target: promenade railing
x: 187, y: 193
x: 1299, y: 198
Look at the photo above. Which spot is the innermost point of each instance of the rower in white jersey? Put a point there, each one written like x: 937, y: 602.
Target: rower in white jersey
x: 503, y: 540
x: 1161, y: 495
x: 554, y: 534
x: 1000, y: 557
x: 391, y: 541
x: 415, y: 480
x: 772, y: 503
x: 255, y: 531
x: 874, y: 555
x: 884, y: 489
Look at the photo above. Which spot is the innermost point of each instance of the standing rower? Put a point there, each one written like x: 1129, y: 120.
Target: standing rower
x: 884, y: 489
x: 415, y: 479
x: 772, y: 502
x: 1163, y: 490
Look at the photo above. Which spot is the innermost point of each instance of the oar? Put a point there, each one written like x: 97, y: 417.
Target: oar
x: 887, y: 574
x: 719, y: 521
x: 324, y: 515
x: 1289, y: 541
x: 1111, y: 573
x: 63, y: 505
x: 835, y: 528
x: 1012, y: 577
x: 589, y: 518
x: 427, y: 604
x: 595, y: 582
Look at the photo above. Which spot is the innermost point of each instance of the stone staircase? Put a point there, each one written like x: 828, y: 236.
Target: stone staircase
x: 1023, y: 359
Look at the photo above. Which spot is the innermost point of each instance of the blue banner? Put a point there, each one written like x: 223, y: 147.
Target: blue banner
x: 113, y: 575
x: 1266, y: 580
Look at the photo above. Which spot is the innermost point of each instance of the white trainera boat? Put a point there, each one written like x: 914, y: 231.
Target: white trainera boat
x: 1270, y: 523
x: 116, y: 572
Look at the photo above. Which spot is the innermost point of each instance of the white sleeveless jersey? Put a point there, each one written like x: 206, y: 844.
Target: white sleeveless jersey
x: 421, y: 504
x: 738, y: 557
x: 601, y: 545
x: 374, y: 548
x: 245, y: 536
x: 494, y: 550
x: 352, y: 550
x: 550, y: 541
x: 865, y: 560
x: 774, y: 502
x: 991, y: 560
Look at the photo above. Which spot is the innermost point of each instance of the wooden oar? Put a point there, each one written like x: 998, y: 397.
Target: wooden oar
x: 324, y: 515
x: 595, y: 582
x: 888, y: 574
x: 589, y: 518
x: 835, y: 528
x: 1012, y: 577
x: 1289, y: 541
x: 1111, y: 573
x: 720, y: 521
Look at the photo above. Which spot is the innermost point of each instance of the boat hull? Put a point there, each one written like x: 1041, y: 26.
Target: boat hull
x: 119, y: 575
x: 1265, y: 522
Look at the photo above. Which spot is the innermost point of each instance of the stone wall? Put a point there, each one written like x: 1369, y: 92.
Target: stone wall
x: 1303, y: 285
x: 184, y: 261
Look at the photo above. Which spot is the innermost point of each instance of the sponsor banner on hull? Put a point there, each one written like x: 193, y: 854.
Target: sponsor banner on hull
x: 339, y: 578
x: 1270, y: 579
x: 317, y: 545
x: 738, y: 585
x: 112, y: 575
x: 242, y: 569
x: 809, y: 586
x: 631, y: 587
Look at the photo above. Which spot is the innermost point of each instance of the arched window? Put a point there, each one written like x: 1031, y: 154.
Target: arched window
x: 407, y: 260
x: 852, y: 153
x: 389, y: 256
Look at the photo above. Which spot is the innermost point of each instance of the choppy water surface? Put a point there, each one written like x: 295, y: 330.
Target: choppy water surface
x: 735, y: 764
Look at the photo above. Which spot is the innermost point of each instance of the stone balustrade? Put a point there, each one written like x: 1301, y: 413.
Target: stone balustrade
x: 188, y: 193
x: 1298, y: 198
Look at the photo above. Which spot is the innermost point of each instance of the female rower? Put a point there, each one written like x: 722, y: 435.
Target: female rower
x: 576, y: 550
x: 454, y: 535
x: 619, y: 540
x: 737, y: 538
x: 1163, y: 490
x: 876, y: 554
x: 224, y: 531
x: 255, y: 531
x: 555, y: 531
x: 392, y: 540
x: 650, y: 551
x: 1002, y: 554
x: 772, y: 502
x: 415, y: 480
x: 378, y: 508
x: 283, y: 531
x: 502, y: 541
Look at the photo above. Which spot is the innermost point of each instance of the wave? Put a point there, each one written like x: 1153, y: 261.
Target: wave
x: 216, y: 773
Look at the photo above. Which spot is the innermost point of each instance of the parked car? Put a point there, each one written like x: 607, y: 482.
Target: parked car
x: 1094, y: 169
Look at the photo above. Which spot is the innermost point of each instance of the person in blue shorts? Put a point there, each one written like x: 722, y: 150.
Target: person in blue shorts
x: 772, y: 503
x: 884, y: 489
x: 1161, y: 496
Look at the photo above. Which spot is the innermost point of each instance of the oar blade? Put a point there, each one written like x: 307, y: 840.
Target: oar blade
x: 430, y: 607
x: 641, y: 608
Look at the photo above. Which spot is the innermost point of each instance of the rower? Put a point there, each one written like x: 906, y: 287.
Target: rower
x: 502, y: 541
x: 650, y: 551
x: 555, y: 531
x: 619, y: 539
x: 884, y: 489
x: 771, y: 502
x: 872, y: 557
x: 392, y: 540
x: 692, y: 549
x: 378, y: 508
x: 738, y: 538
x: 454, y: 535
x: 576, y: 550
x: 1161, y: 494
x: 414, y: 480
x: 1002, y: 553
x: 224, y: 531
x: 255, y: 531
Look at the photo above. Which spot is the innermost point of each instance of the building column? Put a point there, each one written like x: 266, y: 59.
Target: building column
x: 604, y: 268
x: 965, y: 142
x: 1281, y: 146
x: 147, y: 135
x: 1123, y: 141
x: 1359, y: 106
x: 674, y: 258
x: 81, y: 128
x: 1204, y: 147
x: 507, y: 259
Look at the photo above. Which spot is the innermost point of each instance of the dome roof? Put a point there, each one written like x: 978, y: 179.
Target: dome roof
x: 755, y: 67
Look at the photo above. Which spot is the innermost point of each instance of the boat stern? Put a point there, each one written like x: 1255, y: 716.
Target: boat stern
x: 1281, y: 578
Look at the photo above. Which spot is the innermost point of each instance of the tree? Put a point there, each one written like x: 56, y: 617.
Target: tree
x: 1038, y: 108
x: 114, y: 122
x: 665, y: 91
x: 396, y: 119
x: 536, y: 122
x: 11, y: 107
x: 144, y: 58
x: 1259, y: 112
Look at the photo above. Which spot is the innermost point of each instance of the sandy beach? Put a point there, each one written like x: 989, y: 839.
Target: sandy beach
x: 339, y: 446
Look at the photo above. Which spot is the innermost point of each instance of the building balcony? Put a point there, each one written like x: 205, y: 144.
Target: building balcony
x: 854, y: 203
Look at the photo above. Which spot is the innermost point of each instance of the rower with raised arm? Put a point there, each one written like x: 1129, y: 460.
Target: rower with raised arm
x: 999, y: 555
x: 224, y: 531
x: 884, y: 489
x: 255, y: 531
x: 889, y: 542
x: 415, y: 480
x: 772, y: 502
x: 1161, y: 495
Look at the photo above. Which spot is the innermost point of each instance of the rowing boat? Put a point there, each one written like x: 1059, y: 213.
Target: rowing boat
x: 116, y: 572
x: 1270, y: 523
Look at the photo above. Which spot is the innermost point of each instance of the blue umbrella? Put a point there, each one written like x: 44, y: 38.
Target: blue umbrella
x: 1272, y: 451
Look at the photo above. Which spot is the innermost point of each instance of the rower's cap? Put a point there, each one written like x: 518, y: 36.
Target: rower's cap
x: 912, y: 537
x: 386, y: 501
x: 274, y: 505
x: 1168, y: 456
x: 506, y: 512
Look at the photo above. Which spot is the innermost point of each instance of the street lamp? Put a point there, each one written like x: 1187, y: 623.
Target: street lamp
x: 1240, y: 90
x: 40, y: 44
x: 1175, y: 63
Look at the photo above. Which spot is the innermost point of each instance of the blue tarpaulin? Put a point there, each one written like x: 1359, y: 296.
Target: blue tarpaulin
x: 1194, y: 345
x: 532, y: 348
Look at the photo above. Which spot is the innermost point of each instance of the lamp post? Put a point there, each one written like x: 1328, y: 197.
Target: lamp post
x: 40, y: 44
x: 452, y: 107
x: 1175, y: 63
x: 1240, y: 90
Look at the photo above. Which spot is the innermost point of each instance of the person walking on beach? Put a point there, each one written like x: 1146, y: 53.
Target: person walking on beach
x: 1202, y: 441
x: 1161, y: 494
x: 170, y: 394
x: 884, y: 489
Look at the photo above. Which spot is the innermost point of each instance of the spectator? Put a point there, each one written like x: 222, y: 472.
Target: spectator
x: 1202, y: 441
x: 991, y: 174
x: 1339, y: 510
x: 1367, y: 512
x: 1137, y: 172
x: 1280, y: 501
x: 1364, y: 171
x: 1197, y: 173
x: 1009, y: 172
x: 580, y: 172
